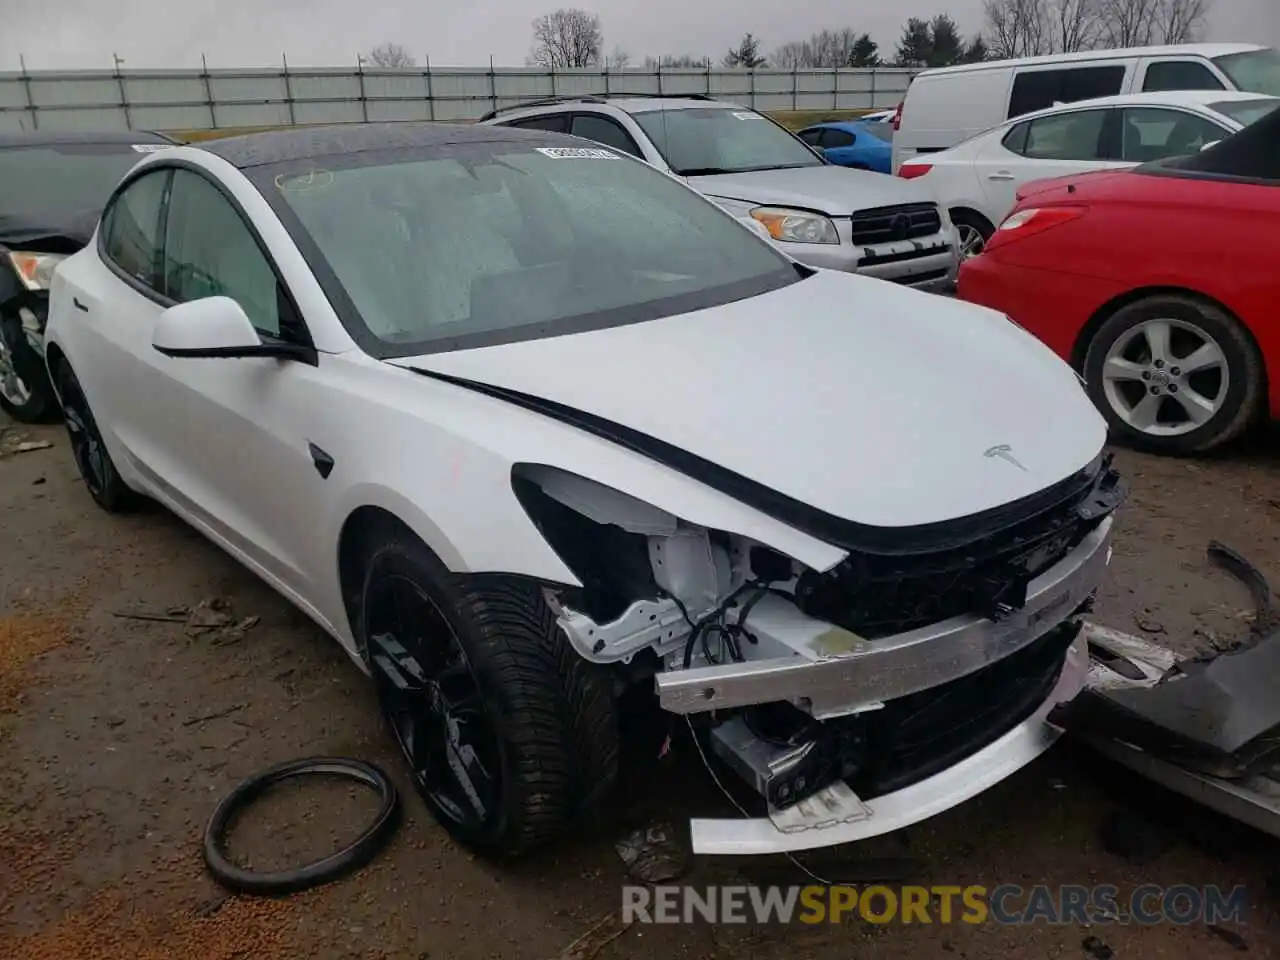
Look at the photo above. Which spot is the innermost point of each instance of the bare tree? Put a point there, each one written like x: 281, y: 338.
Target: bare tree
x: 1181, y: 21
x: 792, y: 55
x: 1018, y: 28
x: 1129, y: 23
x: 824, y: 50
x: 677, y: 61
x: 1075, y: 25
x: 390, y: 55
x: 569, y: 37
x: 618, y: 60
x: 833, y: 48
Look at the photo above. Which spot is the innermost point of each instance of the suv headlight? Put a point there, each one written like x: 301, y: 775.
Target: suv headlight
x: 796, y: 226
x: 35, y: 270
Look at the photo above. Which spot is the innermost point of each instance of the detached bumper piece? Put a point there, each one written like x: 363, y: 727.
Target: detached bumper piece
x: 1116, y: 716
x: 1208, y: 728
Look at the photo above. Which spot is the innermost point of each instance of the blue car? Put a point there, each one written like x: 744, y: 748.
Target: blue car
x: 854, y: 143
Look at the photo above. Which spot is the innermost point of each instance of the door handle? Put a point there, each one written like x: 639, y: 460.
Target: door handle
x: 79, y: 305
x: 1001, y: 176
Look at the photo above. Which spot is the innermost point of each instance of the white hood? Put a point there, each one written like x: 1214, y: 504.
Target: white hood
x: 863, y: 399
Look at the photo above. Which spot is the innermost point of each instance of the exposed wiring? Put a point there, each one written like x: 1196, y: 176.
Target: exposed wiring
x: 698, y: 629
x: 730, y: 634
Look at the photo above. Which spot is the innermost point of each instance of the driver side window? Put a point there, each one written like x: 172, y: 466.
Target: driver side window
x: 210, y: 251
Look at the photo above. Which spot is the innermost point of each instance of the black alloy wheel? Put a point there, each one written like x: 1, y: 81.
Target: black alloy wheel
x: 433, y: 703
x: 93, y: 461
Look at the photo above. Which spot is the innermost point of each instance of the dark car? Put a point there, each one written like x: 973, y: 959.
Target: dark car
x: 52, y: 188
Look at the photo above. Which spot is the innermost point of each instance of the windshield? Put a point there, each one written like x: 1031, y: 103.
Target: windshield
x: 701, y: 142
x: 62, y: 179
x: 476, y: 244
x: 1245, y: 112
x: 1257, y: 71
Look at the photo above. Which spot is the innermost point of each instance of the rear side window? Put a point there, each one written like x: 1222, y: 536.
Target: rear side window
x: 603, y: 130
x: 1016, y: 138
x: 811, y: 137
x: 838, y: 138
x: 1067, y: 136
x: 132, y: 236
x: 1040, y: 89
x: 555, y: 122
x: 1151, y: 134
x: 1180, y: 75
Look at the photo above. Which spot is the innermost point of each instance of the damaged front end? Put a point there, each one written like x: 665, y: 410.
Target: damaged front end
x: 908, y: 677
x: 28, y: 258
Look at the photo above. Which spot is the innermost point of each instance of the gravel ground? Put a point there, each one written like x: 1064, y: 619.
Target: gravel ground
x: 118, y: 736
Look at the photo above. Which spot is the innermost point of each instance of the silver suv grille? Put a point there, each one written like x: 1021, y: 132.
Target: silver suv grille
x: 895, y: 224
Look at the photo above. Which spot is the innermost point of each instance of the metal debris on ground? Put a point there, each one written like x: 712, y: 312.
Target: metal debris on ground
x: 602, y: 933
x: 211, y: 616
x: 12, y: 442
x: 653, y: 854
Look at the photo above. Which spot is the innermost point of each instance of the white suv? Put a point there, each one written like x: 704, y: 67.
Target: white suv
x: 821, y: 214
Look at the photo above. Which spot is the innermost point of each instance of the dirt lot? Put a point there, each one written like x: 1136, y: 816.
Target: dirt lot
x: 118, y: 735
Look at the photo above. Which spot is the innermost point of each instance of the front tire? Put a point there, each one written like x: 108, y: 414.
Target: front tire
x: 97, y: 470
x: 1174, y: 375
x: 974, y: 230
x: 507, y: 732
x: 26, y: 393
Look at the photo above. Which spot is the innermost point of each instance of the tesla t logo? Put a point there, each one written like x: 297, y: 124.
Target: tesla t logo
x: 1005, y: 453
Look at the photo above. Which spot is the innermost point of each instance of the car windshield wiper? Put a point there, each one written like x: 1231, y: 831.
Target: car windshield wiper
x: 712, y: 171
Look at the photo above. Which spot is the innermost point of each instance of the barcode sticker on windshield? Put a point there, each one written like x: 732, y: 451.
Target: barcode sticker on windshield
x: 748, y: 116
x: 149, y: 147
x: 576, y: 153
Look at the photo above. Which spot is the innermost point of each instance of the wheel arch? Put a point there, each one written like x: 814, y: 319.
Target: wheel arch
x: 364, y: 527
x: 966, y: 210
x: 1100, y: 316
x: 54, y: 356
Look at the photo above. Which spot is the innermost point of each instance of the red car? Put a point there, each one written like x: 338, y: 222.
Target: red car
x: 1160, y: 284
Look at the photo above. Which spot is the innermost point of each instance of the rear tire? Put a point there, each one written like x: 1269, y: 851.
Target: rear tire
x: 99, y: 473
x: 531, y: 725
x: 1139, y: 373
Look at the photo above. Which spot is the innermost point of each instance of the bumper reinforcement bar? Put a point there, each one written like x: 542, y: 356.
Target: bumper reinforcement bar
x: 866, y: 673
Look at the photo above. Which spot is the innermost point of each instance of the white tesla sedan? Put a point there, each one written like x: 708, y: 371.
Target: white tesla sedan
x: 521, y: 421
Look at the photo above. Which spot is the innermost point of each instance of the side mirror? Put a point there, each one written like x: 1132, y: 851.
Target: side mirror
x: 215, y: 327
x: 756, y: 227
x: 820, y: 151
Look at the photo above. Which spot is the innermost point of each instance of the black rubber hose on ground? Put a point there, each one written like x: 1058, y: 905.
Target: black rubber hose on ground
x: 325, y: 870
x: 1266, y: 618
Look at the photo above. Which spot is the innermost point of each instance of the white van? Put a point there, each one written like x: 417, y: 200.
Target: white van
x: 949, y: 105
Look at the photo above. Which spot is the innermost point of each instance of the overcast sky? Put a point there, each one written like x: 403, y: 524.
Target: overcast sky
x: 162, y: 33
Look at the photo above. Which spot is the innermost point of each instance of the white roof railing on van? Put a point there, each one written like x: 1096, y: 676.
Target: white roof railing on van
x: 1208, y: 50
